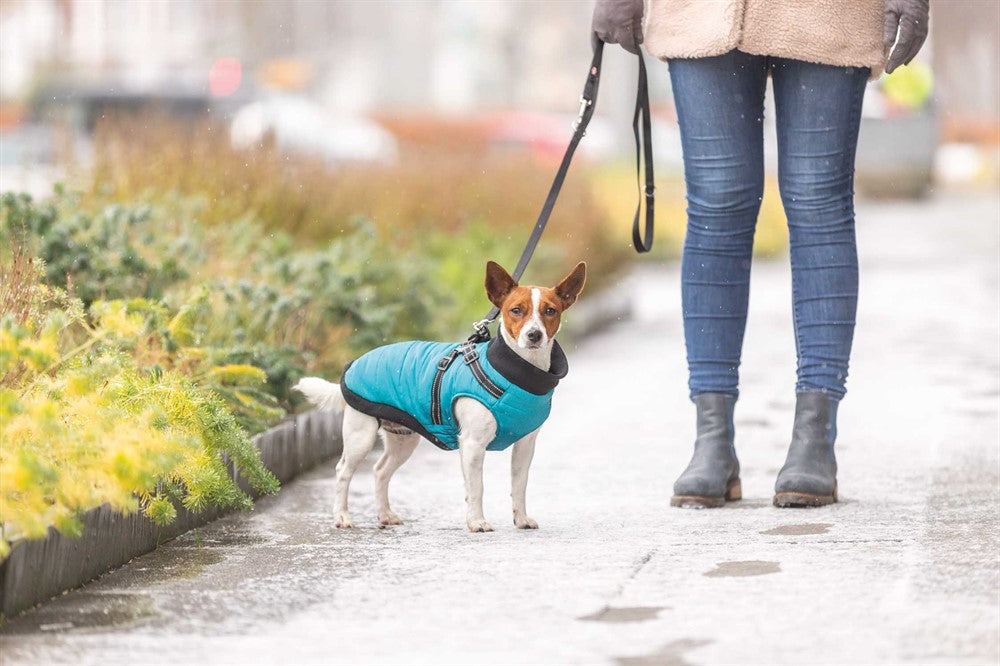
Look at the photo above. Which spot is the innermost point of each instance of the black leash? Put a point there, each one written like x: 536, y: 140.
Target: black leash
x: 643, y: 242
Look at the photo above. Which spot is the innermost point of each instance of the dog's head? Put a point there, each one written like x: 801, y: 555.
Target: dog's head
x: 531, y: 315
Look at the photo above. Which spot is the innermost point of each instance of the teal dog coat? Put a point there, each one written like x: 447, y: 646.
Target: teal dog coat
x: 417, y: 383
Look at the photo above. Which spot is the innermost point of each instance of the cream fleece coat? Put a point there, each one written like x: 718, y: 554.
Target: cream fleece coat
x: 831, y: 32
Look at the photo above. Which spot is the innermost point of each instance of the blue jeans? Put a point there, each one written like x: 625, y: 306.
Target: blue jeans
x: 720, y: 107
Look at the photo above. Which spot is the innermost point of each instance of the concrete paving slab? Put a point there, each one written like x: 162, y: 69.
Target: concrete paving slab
x: 903, y: 570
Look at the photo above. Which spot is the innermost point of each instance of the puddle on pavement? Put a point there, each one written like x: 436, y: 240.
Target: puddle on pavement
x: 799, y: 530
x: 83, y: 612
x: 219, y: 536
x: 624, y: 614
x: 743, y: 568
x: 671, y: 654
x: 193, y: 564
x: 167, y: 563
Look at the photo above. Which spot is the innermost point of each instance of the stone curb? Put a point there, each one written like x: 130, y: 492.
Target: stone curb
x: 39, y: 569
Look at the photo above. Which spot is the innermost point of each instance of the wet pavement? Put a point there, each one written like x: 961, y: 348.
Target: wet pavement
x: 903, y: 570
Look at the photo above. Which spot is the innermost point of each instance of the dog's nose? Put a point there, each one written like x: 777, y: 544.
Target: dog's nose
x: 534, y: 336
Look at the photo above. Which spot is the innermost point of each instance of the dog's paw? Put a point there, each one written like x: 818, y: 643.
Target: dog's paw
x: 479, y: 526
x: 523, y: 522
x: 387, y: 518
x: 342, y: 519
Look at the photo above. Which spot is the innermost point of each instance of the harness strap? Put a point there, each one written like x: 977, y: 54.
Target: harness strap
x: 467, y: 350
x: 442, y: 367
x: 471, y: 357
x: 643, y: 157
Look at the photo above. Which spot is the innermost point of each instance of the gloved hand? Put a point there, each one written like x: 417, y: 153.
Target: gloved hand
x: 619, y: 22
x: 910, y: 18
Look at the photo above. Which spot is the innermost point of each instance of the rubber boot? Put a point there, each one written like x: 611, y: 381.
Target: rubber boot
x: 712, y: 478
x: 809, y: 477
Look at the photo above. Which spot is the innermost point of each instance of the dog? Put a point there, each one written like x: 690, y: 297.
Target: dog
x: 473, y: 396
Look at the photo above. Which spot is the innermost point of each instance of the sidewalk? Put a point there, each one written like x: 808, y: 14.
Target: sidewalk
x: 903, y: 570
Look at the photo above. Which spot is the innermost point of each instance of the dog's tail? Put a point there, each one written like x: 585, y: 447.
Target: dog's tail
x: 321, y: 393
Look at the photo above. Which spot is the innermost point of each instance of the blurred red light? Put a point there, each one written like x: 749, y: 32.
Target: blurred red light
x: 225, y: 76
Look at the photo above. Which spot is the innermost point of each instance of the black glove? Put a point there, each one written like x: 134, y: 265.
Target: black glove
x: 619, y: 22
x: 909, y: 17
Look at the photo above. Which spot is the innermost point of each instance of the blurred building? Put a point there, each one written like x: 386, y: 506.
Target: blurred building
x: 442, y: 55
x: 400, y: 58
x: 966, y: 60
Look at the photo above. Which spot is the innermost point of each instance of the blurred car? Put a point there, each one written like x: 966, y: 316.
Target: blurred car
x: 298, y: 125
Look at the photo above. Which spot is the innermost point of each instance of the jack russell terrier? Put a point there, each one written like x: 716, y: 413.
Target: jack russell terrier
x: 473, y: 396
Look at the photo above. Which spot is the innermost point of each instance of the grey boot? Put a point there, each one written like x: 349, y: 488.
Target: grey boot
x: 809, y: 477
x: 713, y: 476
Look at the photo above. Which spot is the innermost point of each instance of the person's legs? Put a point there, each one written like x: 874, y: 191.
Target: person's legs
x: 720, y: 108
x: 818, y: 115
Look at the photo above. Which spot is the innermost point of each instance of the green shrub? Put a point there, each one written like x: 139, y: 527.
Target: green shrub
x: 112, y: 254
x: 243, y: 296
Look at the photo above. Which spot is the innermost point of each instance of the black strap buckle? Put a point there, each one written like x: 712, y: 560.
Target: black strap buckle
x: 469, y: 353
x: 649, y: 191
x: 445, y: 361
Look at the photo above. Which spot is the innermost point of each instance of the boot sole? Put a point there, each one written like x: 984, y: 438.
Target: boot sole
x: 793, y: 499
x: 734, y: 492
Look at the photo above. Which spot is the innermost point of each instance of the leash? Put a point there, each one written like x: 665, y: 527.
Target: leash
x: 643, y: 241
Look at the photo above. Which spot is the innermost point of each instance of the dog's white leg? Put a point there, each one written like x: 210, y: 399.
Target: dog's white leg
x: 360, y: 432
x: 398, y: 449
x: 477, y: 429
x: 520, y: 460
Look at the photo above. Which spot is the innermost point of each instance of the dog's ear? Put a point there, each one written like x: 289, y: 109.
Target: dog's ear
x: 499, y: 283
x: 569, y: 289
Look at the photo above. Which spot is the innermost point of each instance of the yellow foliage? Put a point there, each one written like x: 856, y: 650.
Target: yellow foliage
x: 85, y: 425
x: 237, y: 374
x: 113, y: 318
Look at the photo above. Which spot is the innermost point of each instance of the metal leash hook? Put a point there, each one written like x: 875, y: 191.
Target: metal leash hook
x: 482, y: 331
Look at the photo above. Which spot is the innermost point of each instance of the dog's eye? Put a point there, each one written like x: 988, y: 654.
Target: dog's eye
x: 517, y: 312
x: 550, y: 312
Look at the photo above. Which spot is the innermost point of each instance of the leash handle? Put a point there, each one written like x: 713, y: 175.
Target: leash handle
x: 643, y: 147
x: 643, y: 156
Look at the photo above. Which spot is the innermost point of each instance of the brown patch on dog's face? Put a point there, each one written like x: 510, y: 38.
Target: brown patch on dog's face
x: 516, y: 311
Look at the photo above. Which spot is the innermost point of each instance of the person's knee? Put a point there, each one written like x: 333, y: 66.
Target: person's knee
x: 721, y: 201
x: 817, y: 195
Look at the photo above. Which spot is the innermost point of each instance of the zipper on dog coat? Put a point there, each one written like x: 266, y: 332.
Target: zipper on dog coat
x: 417, y: 383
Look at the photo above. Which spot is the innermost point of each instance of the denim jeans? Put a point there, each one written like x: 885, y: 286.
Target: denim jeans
x: 720, y: 107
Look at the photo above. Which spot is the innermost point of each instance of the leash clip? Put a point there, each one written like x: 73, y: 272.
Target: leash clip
x: 584, y: 103
x: 481, y: 328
